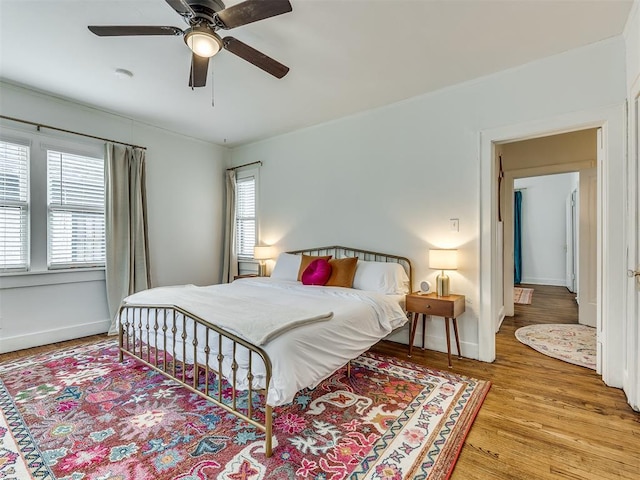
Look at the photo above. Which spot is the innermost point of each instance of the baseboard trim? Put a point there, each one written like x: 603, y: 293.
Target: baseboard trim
x: 36, y: 339
x: 556, y: 282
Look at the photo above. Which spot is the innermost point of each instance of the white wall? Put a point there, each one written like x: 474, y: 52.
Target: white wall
x: 544, y: 241
x: 391, y: 178
x: 185, y: 188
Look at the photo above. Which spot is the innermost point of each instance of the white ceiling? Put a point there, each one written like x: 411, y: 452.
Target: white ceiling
x: 345, y: 56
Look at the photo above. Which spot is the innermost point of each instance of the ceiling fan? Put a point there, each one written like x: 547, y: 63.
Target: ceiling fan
x: 205, y: 18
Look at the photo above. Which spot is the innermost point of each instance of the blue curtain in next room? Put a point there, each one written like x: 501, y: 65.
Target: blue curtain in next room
x: 517, y: 237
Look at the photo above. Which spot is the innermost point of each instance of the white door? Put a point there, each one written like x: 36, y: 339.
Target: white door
x: 571, y: 242
x: 587, y: 248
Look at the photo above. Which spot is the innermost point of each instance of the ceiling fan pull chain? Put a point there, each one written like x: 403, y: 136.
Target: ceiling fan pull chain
x: 191, y: 82
x: 212, y: 88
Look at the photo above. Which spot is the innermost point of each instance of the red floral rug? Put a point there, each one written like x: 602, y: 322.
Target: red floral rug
x: 79, y: 414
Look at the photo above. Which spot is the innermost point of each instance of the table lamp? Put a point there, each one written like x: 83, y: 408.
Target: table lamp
x: 262, y: 253
x: 443, y: 260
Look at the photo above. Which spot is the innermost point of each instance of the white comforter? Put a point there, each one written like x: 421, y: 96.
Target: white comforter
x: 305, y: 355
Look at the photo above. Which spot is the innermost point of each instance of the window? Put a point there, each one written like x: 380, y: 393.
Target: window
x: 245, y: 216
x: 75, y: 196
x: 51, y: 205
x: 14, y: 206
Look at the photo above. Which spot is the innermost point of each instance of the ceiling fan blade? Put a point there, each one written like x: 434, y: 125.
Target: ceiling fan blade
x: 198, y: 73
x: 255, y: 57
x: 181, y: 7
x: 123, y: 30
x: 251, y: 11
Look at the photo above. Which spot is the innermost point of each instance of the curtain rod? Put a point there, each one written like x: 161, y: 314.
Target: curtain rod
x: 245, y: 165
x: 40, y: 125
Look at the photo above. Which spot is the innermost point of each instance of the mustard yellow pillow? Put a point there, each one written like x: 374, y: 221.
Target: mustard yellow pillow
x: 306, y: 260
x: 342, y: 272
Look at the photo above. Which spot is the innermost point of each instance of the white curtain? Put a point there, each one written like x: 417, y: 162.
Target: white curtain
x: 230, y: 263
x: 127, y: 265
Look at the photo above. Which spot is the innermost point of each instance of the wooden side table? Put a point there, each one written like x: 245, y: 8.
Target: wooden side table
x: 449, y: 307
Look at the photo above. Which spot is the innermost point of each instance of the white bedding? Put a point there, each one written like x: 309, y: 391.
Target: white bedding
x: 256, y: 314
x: 302, y: 356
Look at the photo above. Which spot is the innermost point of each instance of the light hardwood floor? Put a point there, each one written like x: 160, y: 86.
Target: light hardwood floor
x: 542, y: 419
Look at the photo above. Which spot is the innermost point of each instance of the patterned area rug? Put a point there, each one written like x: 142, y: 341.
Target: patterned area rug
x: 523, y: 296
x: 571, y: 343
x: 79, y: 414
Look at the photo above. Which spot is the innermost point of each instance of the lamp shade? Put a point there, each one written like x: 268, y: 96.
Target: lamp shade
x: 262, y: 252
x: 443, y: 259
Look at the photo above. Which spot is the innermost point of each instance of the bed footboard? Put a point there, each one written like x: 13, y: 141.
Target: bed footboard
x: 192, y: 351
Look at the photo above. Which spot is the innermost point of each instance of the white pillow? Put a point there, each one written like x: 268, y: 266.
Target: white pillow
x: 382, y: 277
x: 286, y: 267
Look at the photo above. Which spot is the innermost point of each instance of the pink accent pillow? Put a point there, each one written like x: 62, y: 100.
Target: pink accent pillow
x: 317, y: 272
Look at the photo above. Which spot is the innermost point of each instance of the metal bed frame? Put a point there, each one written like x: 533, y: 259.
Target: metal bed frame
x: 137, y: 326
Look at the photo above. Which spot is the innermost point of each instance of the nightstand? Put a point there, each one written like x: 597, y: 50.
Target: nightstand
x: 449, y: 307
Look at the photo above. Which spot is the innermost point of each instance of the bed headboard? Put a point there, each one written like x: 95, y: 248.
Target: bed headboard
x: 366, y: 255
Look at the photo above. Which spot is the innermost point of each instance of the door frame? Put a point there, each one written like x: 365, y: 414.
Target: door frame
x: 572, y: 244
x: 631, y: 380
x: 587, y: 249
x: 611, y: 223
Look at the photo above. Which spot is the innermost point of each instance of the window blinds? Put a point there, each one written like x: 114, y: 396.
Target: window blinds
x: 76, y: 225
x: 245, y: 216
x: 14, y: 206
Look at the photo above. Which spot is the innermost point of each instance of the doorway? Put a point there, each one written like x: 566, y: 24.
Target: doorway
x: 559, y: 234
x: 548, y: 169
x: 545, y: 226
x: 610, y: 251
x: 548, y: 209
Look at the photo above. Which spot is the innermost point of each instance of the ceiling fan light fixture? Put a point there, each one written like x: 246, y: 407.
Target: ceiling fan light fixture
x: 202, y: 41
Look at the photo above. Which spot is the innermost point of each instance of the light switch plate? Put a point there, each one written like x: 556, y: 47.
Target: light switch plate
x: 455, y: 224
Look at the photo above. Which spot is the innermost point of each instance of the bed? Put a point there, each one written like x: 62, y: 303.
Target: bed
x: 251, y: 345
